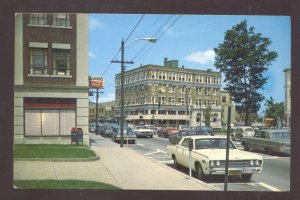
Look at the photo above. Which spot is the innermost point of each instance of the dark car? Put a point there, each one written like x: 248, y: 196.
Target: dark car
x: 208, y: 129
x: 174, y: 139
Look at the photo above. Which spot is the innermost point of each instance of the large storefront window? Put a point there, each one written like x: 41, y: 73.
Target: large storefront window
x: 49, y: 122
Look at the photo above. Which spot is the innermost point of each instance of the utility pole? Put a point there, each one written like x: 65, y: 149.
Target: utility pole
x: 153, y: 112
x: 122, y: 90
x: 227, y: 146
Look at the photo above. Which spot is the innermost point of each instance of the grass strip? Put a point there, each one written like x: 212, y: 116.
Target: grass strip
x: 62, y: 184
x: 52, y: 151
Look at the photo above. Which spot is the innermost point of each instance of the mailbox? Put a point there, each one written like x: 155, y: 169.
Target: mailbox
x: 76, y: 135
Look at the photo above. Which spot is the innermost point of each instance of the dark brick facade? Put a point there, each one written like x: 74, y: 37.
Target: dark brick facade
x: 49, y: 35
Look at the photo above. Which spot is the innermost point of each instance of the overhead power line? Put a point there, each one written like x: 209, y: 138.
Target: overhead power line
x: 159, y: 36
x: 120, y: 47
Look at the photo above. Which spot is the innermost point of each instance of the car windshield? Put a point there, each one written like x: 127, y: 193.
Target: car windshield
x: 197, y: 132
x: 212, y: 143
x: 140, y: 127
x: 249, y: 129
x: 280, y: 135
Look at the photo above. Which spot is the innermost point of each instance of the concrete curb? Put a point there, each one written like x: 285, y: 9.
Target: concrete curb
x: 59, y: 159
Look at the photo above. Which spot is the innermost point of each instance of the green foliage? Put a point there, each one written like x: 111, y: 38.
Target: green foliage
x: 243, y: 57
x: 62, y: 184
x: 274, y: 110
x: 206, y: 114
x: 52, y: 151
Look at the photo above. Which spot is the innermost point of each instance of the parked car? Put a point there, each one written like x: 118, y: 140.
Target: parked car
x: 92, y: 127
x: 152, y: 127
x: 174, y: 139
x: 108, y: 130
x: 208, y: 157
x: 208, y: 129
x: 269, y: 141
x: 241, y: 131
x: 183, y: 127
x: 167, y: 131
x: 128, y: 135
x: 142, y: 131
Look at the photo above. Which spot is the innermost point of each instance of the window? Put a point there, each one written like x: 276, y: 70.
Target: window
x: 61, y: 19
x: 49, y: 122
x: 153, y: 74
x: 198, y: 102
x: 172, y: 112
x: 182, y: 101
x: 38, y: 19
x: 172, y: 101
x: 38, y: 61
x: 223, y: 99
x: 61, y: 62
x: 190, y: 77
x: 181, y: 112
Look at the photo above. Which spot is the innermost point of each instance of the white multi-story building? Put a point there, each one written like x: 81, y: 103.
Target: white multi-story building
x: 169, y: 95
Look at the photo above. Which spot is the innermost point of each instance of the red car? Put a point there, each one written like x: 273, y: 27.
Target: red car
x: 167, y: 131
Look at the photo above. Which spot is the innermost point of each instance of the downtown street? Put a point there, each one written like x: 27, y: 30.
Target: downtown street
x: 274, y: 177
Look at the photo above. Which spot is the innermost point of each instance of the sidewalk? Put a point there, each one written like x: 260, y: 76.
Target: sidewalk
x: 117, y: 166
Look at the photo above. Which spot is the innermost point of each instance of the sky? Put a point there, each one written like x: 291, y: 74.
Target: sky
x: 190, y: 39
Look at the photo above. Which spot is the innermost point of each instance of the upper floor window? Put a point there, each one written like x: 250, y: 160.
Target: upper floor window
x: 190, y: 77
x: 38, y: 61
x: 38, y: 19
x: 61, y: 19
x: 61, y: 62
x: 153, y: 74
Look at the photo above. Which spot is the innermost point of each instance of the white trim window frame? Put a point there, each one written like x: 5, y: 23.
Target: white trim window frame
x: 38, y: 19
x: 61, y: 62
x: 38, y: 61
x: 61, y: 20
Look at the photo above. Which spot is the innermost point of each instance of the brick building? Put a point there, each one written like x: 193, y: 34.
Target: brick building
x: 51, y: 77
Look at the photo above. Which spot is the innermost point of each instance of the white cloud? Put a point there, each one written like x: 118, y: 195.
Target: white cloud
x: 106, y: 98
x: 91, y: 54
x: 201, y: 57
x: 94, y: 24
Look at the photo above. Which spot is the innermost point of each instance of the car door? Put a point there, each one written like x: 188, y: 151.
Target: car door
x: 181, y: 151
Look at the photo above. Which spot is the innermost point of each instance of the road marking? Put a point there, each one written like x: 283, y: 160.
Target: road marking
x: 166, y: 162
x: 140, y: 145
x: 158, y: 150
x: 274, y: 189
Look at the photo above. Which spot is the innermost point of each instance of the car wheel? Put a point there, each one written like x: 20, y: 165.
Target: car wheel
x: 246, y: 147
x: 246, y: 177
x: 199, y: 172
x: 232, y: 137
x: 268, y: 151
x: 151, y: 136
x: 175, y: 162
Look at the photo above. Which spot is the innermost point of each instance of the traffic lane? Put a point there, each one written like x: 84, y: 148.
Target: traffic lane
x: 276, y: 172
x: 155, y: 142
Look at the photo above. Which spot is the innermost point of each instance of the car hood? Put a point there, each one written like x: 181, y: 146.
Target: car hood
x: 234, y: 154
x: 143, y: 130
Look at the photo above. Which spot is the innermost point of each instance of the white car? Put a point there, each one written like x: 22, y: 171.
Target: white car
x: 239, y: 132
x: 142, y: 131
x: 209, y: 157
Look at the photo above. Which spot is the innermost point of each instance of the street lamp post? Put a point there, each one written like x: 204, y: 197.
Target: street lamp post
x: 123, y: 46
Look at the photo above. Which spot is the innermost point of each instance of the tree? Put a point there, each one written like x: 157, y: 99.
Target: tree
x: 243, y: 57
x: 274, y: 110
x: 206, y: 115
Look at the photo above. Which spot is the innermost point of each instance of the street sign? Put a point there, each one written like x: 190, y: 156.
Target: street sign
x: 96, y: 82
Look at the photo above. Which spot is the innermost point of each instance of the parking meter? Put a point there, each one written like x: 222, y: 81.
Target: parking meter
x: 190, y: 144
x: 190, y: 156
